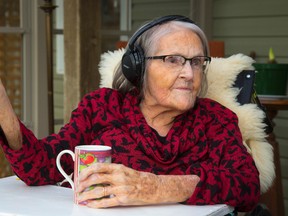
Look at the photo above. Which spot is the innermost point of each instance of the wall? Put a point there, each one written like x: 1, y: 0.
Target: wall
x: 257, y: 25
x: 252, y: 26
x: 143, y: 10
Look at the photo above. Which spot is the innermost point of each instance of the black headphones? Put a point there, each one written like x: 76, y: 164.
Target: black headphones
x: 133, y: 60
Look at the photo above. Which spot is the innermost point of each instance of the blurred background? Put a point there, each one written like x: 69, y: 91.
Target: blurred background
x: 81, y: 30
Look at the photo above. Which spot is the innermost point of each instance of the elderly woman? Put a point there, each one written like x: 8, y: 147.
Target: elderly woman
x: 168, y: 145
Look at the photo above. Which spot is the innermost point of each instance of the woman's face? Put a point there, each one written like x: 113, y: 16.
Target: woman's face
x: 174, y: 89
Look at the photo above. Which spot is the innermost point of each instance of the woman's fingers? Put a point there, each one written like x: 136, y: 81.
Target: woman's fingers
x: 85, y: 173
x: 106, y: 173
x: 98, y: 168
x: 94, y: 179
x: 101, y: 196
x: 98, y: 173
x: 104, y: 203
x: 93, y: 192
x: 104, y: 197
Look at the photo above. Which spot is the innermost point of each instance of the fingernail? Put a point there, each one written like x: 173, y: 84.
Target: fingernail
x: 83, y: 203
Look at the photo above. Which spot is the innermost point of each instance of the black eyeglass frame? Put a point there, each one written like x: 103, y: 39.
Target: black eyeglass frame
x: 207, y: 58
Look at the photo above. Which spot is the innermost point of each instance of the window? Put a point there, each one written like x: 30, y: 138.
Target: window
x: 11, y: 46
x: 115, y: 23
x: 23, y: 60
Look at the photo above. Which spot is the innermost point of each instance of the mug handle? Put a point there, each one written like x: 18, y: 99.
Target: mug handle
x: 60, y: 167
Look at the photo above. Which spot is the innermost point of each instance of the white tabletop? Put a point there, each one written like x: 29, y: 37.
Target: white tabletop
x: 17, y: 199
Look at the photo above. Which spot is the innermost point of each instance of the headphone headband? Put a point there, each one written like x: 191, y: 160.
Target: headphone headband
x: 133, y: 60
x: 155, y: 22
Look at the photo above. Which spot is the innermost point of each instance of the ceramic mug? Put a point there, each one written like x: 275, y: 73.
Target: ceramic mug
x: 84, y: 156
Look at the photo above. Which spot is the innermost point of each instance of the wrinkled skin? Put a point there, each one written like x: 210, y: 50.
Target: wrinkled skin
x: 169, y: 92
x: 130, y: 187
x: 9, y: 121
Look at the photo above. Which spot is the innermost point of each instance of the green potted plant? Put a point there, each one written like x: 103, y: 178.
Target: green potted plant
x: 271, y: 77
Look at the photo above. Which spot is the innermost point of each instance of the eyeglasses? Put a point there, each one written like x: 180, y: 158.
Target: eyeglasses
x: 197, y: 63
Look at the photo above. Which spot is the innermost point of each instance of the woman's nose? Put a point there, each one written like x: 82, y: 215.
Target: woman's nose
x: 187, y: 71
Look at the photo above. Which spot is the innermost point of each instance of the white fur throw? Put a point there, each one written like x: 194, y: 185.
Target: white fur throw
x: 221, y: 75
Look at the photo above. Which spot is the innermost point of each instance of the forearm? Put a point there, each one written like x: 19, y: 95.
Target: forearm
x: 174, y: 188
x: 11, y: 130
x: 9, y: 121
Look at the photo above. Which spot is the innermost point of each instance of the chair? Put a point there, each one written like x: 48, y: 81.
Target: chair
x: 227, y: 91
x: 245, y: 81
x: 230, y: 82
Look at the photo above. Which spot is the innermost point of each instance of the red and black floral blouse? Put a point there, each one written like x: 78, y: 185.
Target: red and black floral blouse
x: 205, y: 141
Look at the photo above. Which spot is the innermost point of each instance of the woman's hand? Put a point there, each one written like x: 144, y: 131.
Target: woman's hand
x: 125, y: 186
x: 9, y: 121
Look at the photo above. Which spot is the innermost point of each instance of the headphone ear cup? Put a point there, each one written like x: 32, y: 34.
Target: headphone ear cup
x: 133, y: 65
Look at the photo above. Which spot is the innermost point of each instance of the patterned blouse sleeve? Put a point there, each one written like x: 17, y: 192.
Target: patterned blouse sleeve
x: 35, y: 162
x: 229, y: 175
